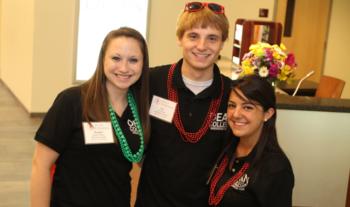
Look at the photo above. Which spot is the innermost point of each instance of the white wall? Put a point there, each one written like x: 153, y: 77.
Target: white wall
x: 317, y: 144
x: 336, y: 61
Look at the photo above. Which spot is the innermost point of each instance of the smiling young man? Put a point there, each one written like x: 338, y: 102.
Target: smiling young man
x: 188, y: 113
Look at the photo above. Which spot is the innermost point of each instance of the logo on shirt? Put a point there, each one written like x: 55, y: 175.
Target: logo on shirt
x: 241, y: 183
x: 132, y: 127
x: 220, y: 122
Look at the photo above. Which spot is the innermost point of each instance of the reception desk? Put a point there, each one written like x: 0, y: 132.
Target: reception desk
x: 315, y: 134
x: 307, y: 103
x: 307, y: 88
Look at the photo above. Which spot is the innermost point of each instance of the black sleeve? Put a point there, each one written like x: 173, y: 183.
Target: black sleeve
x: 279, y: 191
x: 56, y: 128
x: 277, y: 185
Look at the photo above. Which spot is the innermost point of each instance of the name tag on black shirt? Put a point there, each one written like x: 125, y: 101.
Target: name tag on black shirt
x: 162, y: 108
x: 98, y: 133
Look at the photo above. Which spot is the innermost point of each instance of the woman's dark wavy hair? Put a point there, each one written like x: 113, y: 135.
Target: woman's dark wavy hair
x: 94, y: 91
x: 259, y: 90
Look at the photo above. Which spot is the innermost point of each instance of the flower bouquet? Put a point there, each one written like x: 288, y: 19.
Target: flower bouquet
x: 269, y: 61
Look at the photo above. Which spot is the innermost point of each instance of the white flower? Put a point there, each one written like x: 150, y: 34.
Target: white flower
x: 263, y: 72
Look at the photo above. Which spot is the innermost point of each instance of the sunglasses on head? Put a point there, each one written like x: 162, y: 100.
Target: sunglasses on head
x: 196, y: 6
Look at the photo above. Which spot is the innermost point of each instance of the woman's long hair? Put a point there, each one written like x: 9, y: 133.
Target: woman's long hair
x: 94, y: 91
x: 259, y: 90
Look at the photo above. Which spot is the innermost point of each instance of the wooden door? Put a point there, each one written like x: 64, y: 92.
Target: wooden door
x: 308, y: 40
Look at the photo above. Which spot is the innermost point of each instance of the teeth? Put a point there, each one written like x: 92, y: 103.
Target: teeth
x: 203, y: 55
x: 240, y: 123
x: 122, y: 75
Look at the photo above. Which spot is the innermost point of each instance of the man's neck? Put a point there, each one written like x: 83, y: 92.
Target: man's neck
x: 197, y: 74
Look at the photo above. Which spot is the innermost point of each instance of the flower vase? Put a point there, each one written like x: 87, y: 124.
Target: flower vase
x: 274, y: 84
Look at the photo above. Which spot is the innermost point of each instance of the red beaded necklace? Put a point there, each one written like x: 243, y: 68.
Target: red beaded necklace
x: 215, y: 199
x: 192, y: 137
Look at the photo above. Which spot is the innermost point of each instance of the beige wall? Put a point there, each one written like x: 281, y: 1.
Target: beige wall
x: 37, y: 50
x: 337, y: 55
x: 37, y: 43
x: 17, y: 26
x: 162, y: 24
x: 53, y: 52
x: 38, y: 57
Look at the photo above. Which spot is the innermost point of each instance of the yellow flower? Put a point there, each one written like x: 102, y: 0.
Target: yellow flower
x: 247, y: 70
x: 286, y: 69
x: 268, y: 61
x: 286, y: 72
x: 282, y: 46
x: 276, y: 55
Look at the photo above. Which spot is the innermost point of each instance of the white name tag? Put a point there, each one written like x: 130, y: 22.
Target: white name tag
x: 162, y: 108
x: 98, y: 133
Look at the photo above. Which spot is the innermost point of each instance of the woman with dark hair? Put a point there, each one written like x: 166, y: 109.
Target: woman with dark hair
x: 93, y: 132
x: 253, y: 170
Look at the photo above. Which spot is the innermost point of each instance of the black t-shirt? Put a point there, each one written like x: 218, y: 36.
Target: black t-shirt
x: 175, y: 172
x: 86, y: 175
x: 270, y: 186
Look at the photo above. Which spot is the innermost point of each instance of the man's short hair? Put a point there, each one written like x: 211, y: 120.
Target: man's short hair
x: 203, y: 18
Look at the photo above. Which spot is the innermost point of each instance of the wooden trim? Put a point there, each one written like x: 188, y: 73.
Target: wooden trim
x: 240, y: 47
x: 288, y: 20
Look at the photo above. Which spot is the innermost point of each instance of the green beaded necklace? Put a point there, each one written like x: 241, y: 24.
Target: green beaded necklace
x: 120, y: 135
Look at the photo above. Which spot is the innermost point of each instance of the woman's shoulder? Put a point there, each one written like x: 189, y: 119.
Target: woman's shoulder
x: 158, y: 77
x: 71, y: 91
x: 275, y: 162
x: 69, y: 95
x: 158, y: 70
x: 74, y: 91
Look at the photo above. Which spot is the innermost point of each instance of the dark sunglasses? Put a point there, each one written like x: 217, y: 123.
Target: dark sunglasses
x: 196, y: 6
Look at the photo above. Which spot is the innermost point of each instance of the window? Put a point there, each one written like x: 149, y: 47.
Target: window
x: 96, y: 19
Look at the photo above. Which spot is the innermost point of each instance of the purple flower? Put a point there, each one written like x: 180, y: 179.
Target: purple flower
x: 273, y: 70
x: 269, y: 54
x: 290, y: 60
